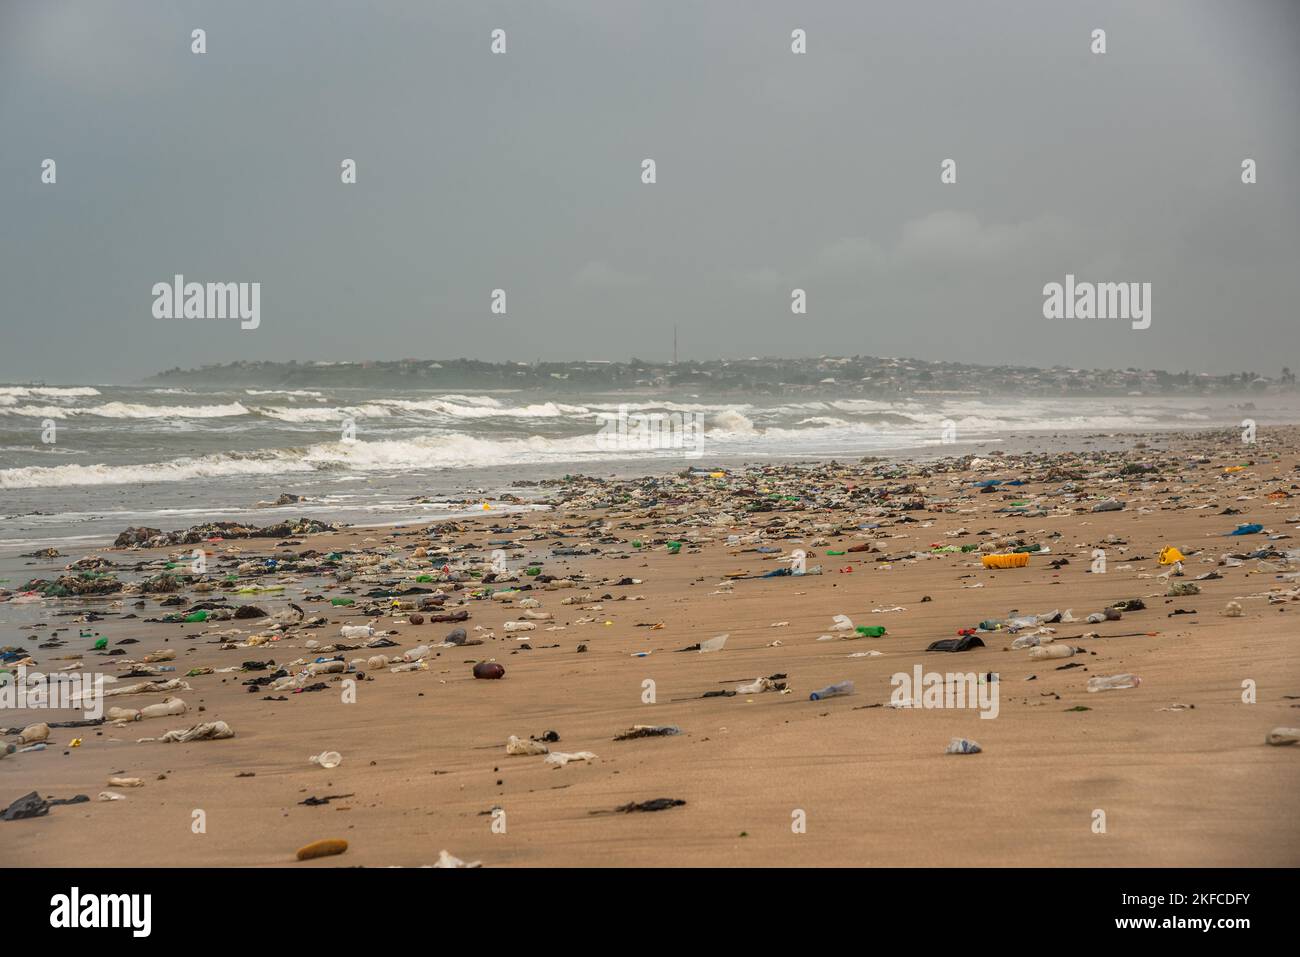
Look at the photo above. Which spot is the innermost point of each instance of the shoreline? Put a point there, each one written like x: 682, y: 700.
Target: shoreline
x: 462, y: 481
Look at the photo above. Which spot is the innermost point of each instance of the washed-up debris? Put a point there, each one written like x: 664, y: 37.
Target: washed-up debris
x: 648, y: 731
x: 1052, y: 650
x: 1281, y: 737
x: 155, y: 538
x: 34, y: 734
x: 1248, y: 529
x: 561, y: 758
x: 208, y: 731
x: 74, y: 586
x: 656, y: 804
x: 33, y: 805
x: 489, y: 669
x: 447, y: 861
x: 524, y: 746
x: 318, y: 801
x: 962, y: 746
x: 326, y: 759
x: 832, y: 691
x: 964, y: 643
x: 1113, y: 682
x: 325, y: 848
x: 1014, y: 560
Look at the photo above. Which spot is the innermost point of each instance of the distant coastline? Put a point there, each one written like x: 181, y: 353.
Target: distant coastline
x: 867, y: 376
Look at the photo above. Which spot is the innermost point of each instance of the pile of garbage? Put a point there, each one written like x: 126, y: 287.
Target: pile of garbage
x: 215, y: 531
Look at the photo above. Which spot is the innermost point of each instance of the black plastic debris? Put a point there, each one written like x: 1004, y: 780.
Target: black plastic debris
x: 33, y: 805
x: 314, y: 801
x: 657, y: 804
x: 964, y: 643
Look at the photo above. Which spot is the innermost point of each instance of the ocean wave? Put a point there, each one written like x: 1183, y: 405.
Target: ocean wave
x: 425, y: 452
x: 457, y: 410
x: 128, y: 410
x: 223, y: 464
x: 330, y: 414
x: 292, y: 393
x: 25, y: 391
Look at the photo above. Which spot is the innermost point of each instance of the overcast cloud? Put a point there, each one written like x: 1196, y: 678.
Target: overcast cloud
x: 522, y: 171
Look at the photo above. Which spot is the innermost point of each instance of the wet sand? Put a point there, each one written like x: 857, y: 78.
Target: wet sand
x: 424, y: 752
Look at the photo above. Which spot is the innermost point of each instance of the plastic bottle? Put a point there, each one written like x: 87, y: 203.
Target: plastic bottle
x: 1283, y: 736
x: 34, y: 733
x: 832, y: 691
x: 169, y: 707
x: 357, y: 631
x: 1113, y: 682
x: 326, y: 667
x: 327, y: 759
x: 1051, y: 651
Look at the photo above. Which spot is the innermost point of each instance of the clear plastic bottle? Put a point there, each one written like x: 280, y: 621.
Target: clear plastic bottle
x: 1051, y: 651
x: 832, y: 691
x: 161, y: 710
x: 1113, y: 682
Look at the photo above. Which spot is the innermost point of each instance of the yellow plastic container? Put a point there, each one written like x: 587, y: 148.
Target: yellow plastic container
x: 1013, y: 560
x: 1169, y: 555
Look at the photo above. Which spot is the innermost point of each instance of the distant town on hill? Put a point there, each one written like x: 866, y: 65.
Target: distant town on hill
x: 846, y: 375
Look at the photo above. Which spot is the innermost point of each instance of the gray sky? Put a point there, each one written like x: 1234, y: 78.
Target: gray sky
x: 522, y: 171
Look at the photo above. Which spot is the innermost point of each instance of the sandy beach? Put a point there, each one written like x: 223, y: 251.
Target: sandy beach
x: 1175, y: 769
